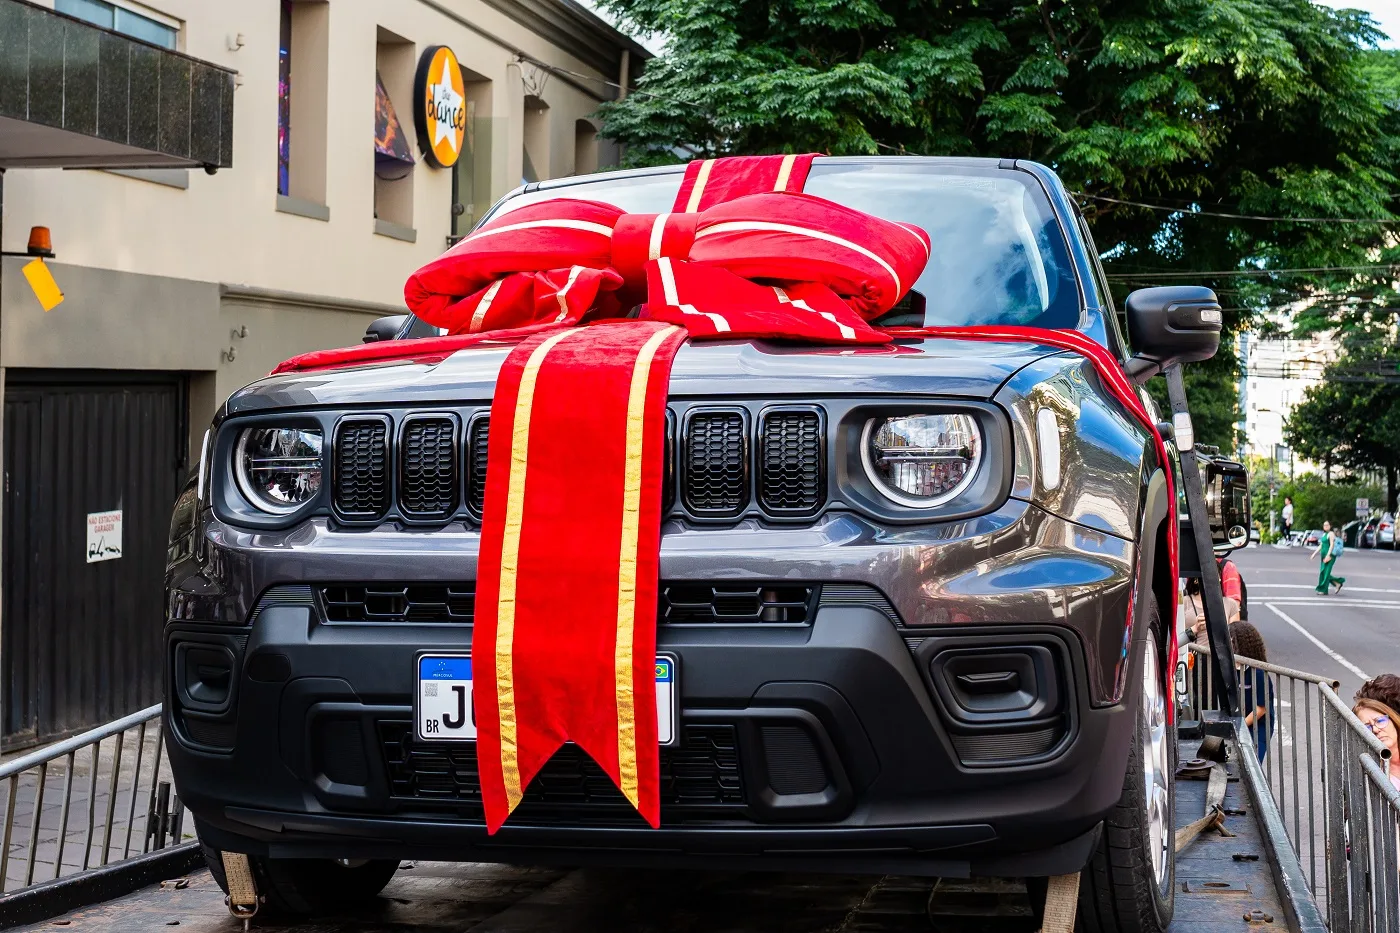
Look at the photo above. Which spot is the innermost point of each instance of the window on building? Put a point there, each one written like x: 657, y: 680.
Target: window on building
x: 395, y: 61
x: 284, y: 100
x: 119, y: 18
x: 303, y: 56
x: 585, y: 147
x: 471, y: 176
x: 534, y: 163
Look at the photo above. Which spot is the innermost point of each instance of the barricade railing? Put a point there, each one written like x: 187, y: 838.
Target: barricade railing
x: 115, y: 778
x: 1328, y: 776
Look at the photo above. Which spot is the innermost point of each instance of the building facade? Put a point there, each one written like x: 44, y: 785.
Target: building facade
x: 1275, y: 372
x: 365, y: 136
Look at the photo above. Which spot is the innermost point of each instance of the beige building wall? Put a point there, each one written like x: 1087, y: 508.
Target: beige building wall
x: 231, y: 240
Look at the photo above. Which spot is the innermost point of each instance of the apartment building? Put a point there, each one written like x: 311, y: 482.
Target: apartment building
x: 1274, y: 374
x: 316, y: 154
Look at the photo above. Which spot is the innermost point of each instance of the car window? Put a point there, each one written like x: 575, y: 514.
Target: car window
x: 999, y: 255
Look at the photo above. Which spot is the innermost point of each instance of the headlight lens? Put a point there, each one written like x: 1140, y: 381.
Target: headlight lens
x: 279, y: 469
x: 922, y: 460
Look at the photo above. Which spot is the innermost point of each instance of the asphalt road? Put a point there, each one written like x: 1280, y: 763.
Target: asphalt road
x: 1349, y: 636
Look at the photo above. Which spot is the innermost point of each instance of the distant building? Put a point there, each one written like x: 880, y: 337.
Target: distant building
x: 1274, y: 374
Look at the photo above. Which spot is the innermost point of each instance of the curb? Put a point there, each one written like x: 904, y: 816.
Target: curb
x: 52, y: 898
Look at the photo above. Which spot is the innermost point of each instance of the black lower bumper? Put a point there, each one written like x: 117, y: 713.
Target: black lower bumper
x: 845, y: 745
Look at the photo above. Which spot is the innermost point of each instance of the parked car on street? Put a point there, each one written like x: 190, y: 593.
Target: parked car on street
x: 1312, y: 537
x: 1367, y: 533
x: 892, y: 658
x: 1385, y: 531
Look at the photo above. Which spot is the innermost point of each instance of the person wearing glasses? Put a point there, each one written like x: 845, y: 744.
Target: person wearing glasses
x: 1375, y: 705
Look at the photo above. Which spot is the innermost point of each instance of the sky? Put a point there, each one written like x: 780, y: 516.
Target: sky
x: 1386, y: 13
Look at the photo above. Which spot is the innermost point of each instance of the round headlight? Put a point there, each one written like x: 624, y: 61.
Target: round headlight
x: 278, y: 469
x: 921, y: 460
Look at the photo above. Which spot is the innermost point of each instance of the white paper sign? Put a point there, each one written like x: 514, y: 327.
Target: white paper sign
x: 104, y: 536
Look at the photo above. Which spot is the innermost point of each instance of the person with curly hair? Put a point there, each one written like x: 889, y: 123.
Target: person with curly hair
x: 1377, y: 704
x: 1256, y: 692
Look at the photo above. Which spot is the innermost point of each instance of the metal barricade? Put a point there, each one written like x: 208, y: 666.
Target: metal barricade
x: 101, y: 776
x: 1328, y: 776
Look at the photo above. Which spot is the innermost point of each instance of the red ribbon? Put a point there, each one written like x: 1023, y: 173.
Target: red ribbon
x: 779, y: 265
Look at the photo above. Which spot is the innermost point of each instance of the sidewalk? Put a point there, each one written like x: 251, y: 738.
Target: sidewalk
x: 130, y: 797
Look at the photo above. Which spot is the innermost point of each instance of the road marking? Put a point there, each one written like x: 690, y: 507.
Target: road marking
x: 1309, y: 586
x: 1317, y: 641
x: 1333, y: 601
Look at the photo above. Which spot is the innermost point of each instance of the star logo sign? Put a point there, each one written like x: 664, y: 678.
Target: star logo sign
x: 447, y: 108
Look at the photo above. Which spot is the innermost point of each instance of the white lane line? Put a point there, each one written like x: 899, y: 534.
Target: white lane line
x: 1309, y: 586
x: 1317, y: 641
x: 1333, y: 601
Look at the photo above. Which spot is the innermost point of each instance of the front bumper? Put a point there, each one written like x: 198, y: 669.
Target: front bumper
x: 832, y: 744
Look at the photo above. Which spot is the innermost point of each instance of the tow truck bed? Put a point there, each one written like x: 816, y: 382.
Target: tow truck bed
x: 1213, y: 888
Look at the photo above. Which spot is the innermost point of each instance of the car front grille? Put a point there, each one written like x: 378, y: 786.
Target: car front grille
x: 678, y: 603
x: 476, y: 465
x: 399, y: 602
x: 716, y: 480
x: 700, y: 776
x: 433, y: 466
x: 362, y: 469
x: 734, y: 603
x: 428, y: 475
x: 792, y: 462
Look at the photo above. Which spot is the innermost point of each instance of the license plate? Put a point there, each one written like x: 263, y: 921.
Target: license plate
x: 444, y: 703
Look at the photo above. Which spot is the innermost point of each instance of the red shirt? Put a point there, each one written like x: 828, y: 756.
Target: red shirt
x: 1230, y: 580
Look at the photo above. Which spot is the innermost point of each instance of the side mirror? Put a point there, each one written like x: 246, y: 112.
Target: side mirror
x: 1171, y: 324
x: 385, y: 328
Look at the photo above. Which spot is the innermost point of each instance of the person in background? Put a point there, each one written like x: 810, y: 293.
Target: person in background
x: 1287, y: 521
x: 1256, y: 692
x: 1231, y: 586
x: 1376, y: 705
x: 1330, y: 547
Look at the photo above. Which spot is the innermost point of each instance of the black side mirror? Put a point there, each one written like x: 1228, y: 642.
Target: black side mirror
x: 385, y: 328
x: 1171, y: 324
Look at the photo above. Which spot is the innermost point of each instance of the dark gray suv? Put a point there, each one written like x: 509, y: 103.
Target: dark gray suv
x: 909, y: 594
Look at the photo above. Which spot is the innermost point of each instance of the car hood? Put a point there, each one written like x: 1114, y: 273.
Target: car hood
x: 711, y: 369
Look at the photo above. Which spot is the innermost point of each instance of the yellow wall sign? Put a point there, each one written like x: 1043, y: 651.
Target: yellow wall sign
x: 440, y: 109
x: 41, y: 281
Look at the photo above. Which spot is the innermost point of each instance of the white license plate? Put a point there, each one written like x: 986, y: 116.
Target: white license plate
x: 444, y: 710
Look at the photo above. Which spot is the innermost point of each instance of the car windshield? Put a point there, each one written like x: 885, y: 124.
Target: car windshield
x: 998, y: 257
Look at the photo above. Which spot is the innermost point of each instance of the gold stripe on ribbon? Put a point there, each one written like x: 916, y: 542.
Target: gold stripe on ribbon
x: 623, y: 670
x: 702, y: 177
x: 784, y: 171
x: 510, y: 566
x: 658, y: 231
x: 484, y: 305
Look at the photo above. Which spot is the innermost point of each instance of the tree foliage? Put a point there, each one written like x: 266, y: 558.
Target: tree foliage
x: 1255, y: 107
x: 1352, y: 418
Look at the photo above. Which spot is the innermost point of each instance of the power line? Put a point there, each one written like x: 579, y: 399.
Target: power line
x: 1312, y: 270
x: 1230, y: 216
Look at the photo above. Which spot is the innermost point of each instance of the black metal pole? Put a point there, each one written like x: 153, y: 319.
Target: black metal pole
x: 1213, y: 598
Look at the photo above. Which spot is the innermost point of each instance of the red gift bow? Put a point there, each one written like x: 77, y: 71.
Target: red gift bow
x: 785, y: 265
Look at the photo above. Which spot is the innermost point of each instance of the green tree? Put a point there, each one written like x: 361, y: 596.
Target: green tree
x: 1316, y: 501
x: 1254, y: 107
x: 1352, y: 418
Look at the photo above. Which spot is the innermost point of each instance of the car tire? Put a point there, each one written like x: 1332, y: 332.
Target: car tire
x: 1129, y: 884
x: 308, y: 887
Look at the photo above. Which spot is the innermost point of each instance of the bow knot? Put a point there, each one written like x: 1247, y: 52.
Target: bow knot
x: 782, y: 265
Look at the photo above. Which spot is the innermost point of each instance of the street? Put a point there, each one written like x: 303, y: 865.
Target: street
x: 1349, y: 636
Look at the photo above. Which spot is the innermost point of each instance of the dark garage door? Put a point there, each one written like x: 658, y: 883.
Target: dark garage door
x: 79, y: 640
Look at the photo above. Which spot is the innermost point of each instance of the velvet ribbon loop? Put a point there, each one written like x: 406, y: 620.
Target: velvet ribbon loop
x: 780, y: 265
